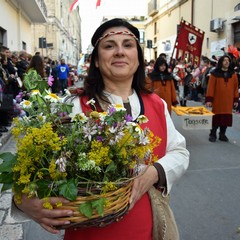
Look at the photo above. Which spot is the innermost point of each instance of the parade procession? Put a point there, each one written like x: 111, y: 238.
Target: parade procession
x: 119, y: 120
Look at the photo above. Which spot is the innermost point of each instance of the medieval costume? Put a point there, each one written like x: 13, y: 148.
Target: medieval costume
x: 162, y: 83
x: 138, y: 223
x: 222, y: 93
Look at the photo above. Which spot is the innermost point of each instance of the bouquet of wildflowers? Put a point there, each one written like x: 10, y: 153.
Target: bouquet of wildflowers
x: 62, y: 158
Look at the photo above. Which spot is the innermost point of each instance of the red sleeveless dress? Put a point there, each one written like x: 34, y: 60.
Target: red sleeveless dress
x: 137, y: 223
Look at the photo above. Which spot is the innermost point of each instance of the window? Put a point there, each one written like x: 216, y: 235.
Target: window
x: 155, y: 28
x: 24, y: 46
x: 3, y: 37
x: 142, y: 37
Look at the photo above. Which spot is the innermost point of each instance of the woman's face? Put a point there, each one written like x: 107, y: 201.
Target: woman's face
x: 117, y: 56
x: 162, y: 68
x: 225, y: 63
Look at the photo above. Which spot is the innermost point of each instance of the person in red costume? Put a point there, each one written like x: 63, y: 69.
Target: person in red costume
x: 116, y: 75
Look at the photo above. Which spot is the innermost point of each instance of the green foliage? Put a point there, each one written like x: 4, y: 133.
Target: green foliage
x: 69, y: 189
x: 6, y: 173
x: 89, y: 207
x: 32, y: 80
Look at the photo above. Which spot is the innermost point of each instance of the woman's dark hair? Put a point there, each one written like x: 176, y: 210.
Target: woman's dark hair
x: 155, y: 74
x: 37, y: 64
x: 159, y: 62
x: 220, y: 61
x: 218, y: 72
x: 94, y: 84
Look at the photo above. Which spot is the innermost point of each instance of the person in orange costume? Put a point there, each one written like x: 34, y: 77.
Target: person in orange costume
x: 161, y: 82
x: 222, y: 96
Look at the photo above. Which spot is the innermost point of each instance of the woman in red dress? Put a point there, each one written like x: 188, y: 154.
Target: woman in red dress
x: 116, y: 75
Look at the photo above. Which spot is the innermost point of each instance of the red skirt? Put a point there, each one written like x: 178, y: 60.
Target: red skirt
x: 135, y: 225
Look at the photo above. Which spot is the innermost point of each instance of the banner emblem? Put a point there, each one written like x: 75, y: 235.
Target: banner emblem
x: 188, y: 43
x: 192, y: 38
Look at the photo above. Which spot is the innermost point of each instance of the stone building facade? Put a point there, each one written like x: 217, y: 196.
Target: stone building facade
x: 61, y: 34
x: 44, y: 26
x: 220, y: 20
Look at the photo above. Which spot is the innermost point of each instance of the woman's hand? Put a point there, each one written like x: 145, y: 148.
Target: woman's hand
x: 33, y: 207
x: 142, y: 184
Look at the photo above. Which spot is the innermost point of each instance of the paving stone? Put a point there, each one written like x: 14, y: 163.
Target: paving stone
x: 2, y: 215
x: 11, y: 232
x: 5, y: 200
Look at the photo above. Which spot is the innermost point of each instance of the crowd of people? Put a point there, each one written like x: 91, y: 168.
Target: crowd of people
x: 190, y: 80
x: 14, y: 66
x: 216, y: 83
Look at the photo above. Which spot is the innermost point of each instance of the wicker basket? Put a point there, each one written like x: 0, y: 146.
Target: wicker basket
x: 116, y: 208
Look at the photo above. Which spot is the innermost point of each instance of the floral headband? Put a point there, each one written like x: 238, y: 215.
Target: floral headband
x: 116, y: 33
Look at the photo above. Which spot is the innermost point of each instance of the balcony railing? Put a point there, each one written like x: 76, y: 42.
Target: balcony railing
x: 36, y: 10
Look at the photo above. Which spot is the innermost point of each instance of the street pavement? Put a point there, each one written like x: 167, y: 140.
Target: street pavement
x: 205, y: 201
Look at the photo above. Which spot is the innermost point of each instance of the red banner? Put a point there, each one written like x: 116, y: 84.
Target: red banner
x: 189, y: 43
x: 74, y: 6
x: 98, y: 3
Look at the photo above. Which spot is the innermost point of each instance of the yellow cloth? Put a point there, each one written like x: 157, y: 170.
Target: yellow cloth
x: 192, y: 111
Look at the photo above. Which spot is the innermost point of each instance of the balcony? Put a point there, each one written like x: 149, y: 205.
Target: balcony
x: 36, y: 10
x: 152, y: 8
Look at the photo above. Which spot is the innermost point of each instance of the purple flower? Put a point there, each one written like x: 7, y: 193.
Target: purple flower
x: 50, y: 80
x: 99, y: 138
x: 111, y: 110
x: 128, y: 118
x: 62, y: 114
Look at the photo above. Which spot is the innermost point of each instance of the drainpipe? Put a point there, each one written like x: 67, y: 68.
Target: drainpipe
x: 192, y: 12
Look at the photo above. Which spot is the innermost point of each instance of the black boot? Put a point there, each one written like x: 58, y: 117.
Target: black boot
x: 213, y: 135
x: 222, y: 136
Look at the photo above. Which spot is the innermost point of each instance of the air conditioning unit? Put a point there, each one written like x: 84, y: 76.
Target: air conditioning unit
x: 216, y: 25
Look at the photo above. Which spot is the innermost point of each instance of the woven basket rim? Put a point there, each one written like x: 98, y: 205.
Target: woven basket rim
x: 118, y: 203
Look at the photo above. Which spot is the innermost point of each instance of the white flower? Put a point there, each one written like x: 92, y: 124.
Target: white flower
x: 134, y: 127
x: 41, y: 117
x: 138, y: 129
x: 89, y: 132
x: 118, y: 107
x: 52, y: 97
x: 143, y: 139
x: 142, y: 119
x: 91, y: 102
x: 67, y: 92
x: 61, y: 163
x: 102, y: 116
x: 81, y: 117
x: 26, y: 104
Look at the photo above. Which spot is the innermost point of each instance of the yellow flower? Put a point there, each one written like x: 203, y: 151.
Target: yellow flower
x: 24, y: 179
x: 59, y: 204
x: 47, y: 204
x: 35, y: 92
x: 99, y: 153
x: 109, y: 186
x: 16, y: 132
x: 95, y: 115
